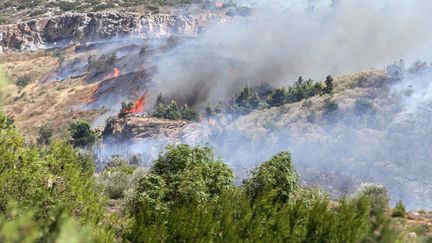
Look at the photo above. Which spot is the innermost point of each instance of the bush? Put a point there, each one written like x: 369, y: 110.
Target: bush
x: 399, y: 211
x: 68, y: 6
x: 81, y: 133
x: 189, y: 114
x: 277, y: 174
x: 247, y: 99
x: 45, y: 134
x: 377, y: 194
x: 278, y: 97
x: 329, y: 88
x: 363, y: 106
x: 171, y: 111
x: 23, y: 81
x: 330, y: 106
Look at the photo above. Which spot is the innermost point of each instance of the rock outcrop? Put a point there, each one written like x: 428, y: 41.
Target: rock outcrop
x: 136, y: 127
x: 72, y: 28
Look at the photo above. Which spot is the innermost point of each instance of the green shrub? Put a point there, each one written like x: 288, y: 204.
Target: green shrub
x: 115, y: 182
x: 187, y: 113
x: 172, y: 111
x: 44, y: 135
x: 278, y: 97
x: 247, y: 99
x: 81, y: 133
x: 399, y: 211
x: 329, y: 86
x: 363, y: 106
x: 377, y: 194
x: 330, y: 106
x: 68, y: 6
x: 277, y: 174
x: 23, y: 81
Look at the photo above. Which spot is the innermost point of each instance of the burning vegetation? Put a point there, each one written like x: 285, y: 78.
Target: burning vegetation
x: 209, y: 137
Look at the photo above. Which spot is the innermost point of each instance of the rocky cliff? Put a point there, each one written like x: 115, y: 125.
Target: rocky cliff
x: 72, y: 28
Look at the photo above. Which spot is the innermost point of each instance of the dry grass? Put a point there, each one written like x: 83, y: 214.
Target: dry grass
x: 56, y: 104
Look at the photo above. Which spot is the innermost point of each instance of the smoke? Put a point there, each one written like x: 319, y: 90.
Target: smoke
x: 285, y: 39
x: 389, y: 143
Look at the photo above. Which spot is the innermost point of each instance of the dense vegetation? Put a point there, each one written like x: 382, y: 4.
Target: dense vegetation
x: 34, y: 8
x: 172, y: 111
x: 264, y: 96
x: 50, y: 194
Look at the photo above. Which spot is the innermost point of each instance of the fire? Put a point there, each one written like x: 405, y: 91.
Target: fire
x: 138, y: 105
x: 219, y: 4
x: 115, y: 74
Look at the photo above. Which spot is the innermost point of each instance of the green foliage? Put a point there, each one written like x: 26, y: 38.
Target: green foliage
x: 81, y: 133
x: 68, y: 5
x: 171, y: 110
x: 247, y: 99
x: 49, y: 195
x: 23, y: 81
x: 46, y: 181
x: 399, y: 211
x: 59, y: 55
x: 19, y: 225
x: 363, y: 106
x: 329, y: 85
x: 330, y: 106
x: 125, y: 108
x: 44, y: 135
x: 189, y: 114
x: 278, y: 97
x: 277, y: 174
x: 377, y: 194
x: 101, y: 65
x: 209, y: 111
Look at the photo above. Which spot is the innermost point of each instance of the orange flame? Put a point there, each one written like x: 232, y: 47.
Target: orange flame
x: 116, y: 72
x: 138, y: 106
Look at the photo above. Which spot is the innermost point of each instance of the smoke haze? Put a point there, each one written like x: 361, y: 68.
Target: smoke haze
x: 285, y: 39
x: 388, y: 144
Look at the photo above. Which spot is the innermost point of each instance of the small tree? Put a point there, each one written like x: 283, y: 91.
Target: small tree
x: 45, y: 134
x: 159, y: 107
x: 377, y: 195
x: 209, y: 111
x: 278, y: 97
x: 23, y: 81
x: 82, y: 134
x: 330, y: 106
x: 329, y: 85
x: 125, y: 108
x: 189, y: 114
x: 247, y: 98
x: 277, y: 174
x: 399, y: 211
x: 172, y: 111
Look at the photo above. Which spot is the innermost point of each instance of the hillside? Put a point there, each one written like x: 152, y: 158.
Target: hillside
x: 215, y: 121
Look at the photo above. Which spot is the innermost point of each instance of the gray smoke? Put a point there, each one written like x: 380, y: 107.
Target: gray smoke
x: 285, y: 39
x: 389, y: 144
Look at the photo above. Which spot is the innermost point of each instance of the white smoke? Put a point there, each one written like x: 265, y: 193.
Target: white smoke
x: 285, y: 39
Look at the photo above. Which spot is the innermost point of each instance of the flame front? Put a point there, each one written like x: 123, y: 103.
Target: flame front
x: 116, y: 72
x: 138, y: 106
